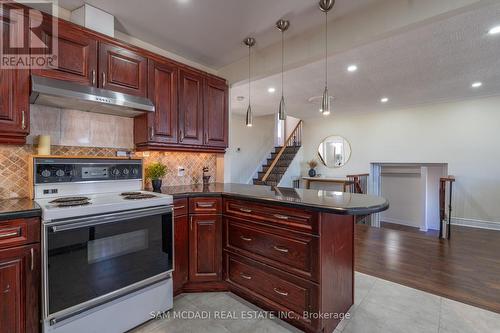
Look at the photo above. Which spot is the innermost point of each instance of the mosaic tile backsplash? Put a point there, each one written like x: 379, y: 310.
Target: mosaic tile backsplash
x: 14, y: 165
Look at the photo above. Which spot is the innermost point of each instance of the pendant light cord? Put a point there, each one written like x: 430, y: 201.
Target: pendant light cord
x: 326, y: 49
x: 282, y: 61
x: 249, y: 74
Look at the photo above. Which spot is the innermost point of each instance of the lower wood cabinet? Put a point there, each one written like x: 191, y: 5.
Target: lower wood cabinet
x: 20, y: 289
x: 205, y: 248
x: 181, y: 248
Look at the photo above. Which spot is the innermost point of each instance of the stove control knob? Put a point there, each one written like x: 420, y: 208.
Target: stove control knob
x: 125, y: 172
x: 115, y: 172
x: 60, y: 173
x: 135, y: 171
x: 46, y: 173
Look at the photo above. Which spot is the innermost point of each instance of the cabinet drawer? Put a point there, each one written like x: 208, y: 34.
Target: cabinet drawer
x: 19, y: 232
x: 287, y: 250
x: 205, y: 205
x: 180, y: 207
x: 297, y: 219
x: 295, y: 294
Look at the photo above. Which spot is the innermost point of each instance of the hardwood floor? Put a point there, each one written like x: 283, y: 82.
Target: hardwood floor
x: 465, y: 269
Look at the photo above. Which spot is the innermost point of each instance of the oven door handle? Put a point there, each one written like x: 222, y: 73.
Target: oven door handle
x: 83, y: 222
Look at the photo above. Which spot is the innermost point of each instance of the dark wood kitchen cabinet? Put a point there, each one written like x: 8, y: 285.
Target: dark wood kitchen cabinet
x: 77, y: 55
x: 215, y: 112
x: 122, y: 70
x: 159, y: 127
x: 181, y: 245
x: 190, y: 107
x: 20, y: 276
x: 14, y: 100
x: 205, y: 248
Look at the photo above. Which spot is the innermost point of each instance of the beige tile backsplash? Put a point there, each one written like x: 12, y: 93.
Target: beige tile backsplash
x: 78, y: 128
x: 88, y: 134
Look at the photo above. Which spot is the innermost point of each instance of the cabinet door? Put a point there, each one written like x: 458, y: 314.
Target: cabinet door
x: 205, y: 248
x: 190, y: 107
x: 216, y: 113
x: 19, y: 289
x: 163, y: 92
x: 77, y: 56
x: 181, y: 248
x: 14, y: 101
x: 122, y: 70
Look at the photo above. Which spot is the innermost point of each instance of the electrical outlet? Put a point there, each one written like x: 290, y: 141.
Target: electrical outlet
x: 181, y: 172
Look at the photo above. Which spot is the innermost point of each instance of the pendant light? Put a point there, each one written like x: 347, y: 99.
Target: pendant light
x: 325, y: 6
x: 249, y: 42
x: 282, y: 26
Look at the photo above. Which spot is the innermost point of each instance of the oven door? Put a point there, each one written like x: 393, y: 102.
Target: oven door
x: 92, y: 260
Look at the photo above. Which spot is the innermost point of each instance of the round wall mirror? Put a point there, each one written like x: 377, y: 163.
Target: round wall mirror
x: 334, y: 151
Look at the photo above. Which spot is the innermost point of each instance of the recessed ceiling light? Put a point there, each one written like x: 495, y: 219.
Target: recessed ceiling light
x: 477, y: 84
x: 271, y: 90
x: 494, y: 30
x: 352, y: 68
x: 384, y: 100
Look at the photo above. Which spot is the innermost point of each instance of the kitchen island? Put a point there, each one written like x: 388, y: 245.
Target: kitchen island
x: 289, y: 251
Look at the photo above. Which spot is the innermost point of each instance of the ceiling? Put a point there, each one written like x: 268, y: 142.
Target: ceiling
x: 210, y: 32
x: 433, y: 63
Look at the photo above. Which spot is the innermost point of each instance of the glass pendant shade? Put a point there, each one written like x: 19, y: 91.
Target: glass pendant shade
x: 282, y: 109
x: 325, y: 103
x: 249, y: 116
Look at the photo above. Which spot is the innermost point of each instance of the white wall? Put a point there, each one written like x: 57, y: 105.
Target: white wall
x: 255, y: 144
x: 464, y: 134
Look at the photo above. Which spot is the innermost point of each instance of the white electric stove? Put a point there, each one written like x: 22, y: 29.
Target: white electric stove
x: 107, y: 245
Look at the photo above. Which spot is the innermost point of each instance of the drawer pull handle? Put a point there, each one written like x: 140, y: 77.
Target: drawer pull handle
x: 279, y: 292
x: 246, y: 277
x: 281, y: 217
x: 179, y: 207
x: 245, y: 210
x: 246, y: 239
x: 281, y: 249
x: 205, y: 205
x: 9, y: 234
x: 32, y: 254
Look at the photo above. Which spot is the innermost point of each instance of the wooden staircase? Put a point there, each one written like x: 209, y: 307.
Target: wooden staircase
x: 280, y: 159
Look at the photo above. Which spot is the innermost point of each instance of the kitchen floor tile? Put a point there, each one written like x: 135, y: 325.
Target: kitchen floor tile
x: 382, y: 306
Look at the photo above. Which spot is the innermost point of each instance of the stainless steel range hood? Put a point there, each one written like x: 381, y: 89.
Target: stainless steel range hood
x: 66, y: 95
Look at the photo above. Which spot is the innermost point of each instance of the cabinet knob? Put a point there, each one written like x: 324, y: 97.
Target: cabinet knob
x: 151, y: 133
x: 182, y: 136
x: 246, y: 277
x: 103, y: 79
x: 281, y: 217
x: 93, y: 77
x: 281, y: 249
x: 245, y: 210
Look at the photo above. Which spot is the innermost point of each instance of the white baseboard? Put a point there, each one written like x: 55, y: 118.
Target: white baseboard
x: 399, y: 221
x: 481, y: 224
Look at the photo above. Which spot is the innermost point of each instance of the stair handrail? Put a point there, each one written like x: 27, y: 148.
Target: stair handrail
x: 296, y: 133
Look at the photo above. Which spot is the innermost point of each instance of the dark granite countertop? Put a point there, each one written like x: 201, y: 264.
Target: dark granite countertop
x: 328, y: 201
x: 18, y: 208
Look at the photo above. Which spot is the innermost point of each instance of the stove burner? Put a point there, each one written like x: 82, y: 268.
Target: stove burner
x: 126, y: 194
x: 73, y: 203
x: 69, y: 199
x: 139, y: 196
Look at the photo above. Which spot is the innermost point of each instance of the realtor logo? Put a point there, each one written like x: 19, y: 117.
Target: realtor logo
x: 28, y: 37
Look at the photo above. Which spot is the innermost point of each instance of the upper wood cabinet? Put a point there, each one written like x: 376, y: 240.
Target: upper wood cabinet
x: 14, y: 101
x: 162, y: 125
x: 77, y: 56
x: 122, y: 70
x: 216, y: 112
x: 190, y: 107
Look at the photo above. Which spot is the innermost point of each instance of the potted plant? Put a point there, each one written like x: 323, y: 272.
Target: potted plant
x: 155, y: 172
x: 312, y: 164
